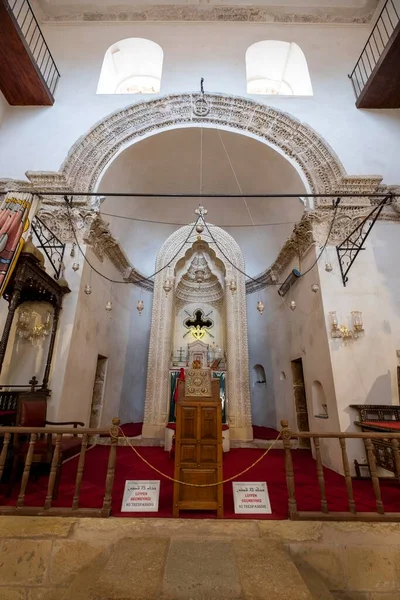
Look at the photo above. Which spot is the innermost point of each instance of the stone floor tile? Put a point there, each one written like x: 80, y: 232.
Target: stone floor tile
x: 291, y: 531
x: 326, y: 560
x: 12, y: 594
x: 24, y: 561
x: 263, y: 566
x: 369, y: 568
x: 35, y: 527
x: 133, y: 571
x: 201, y: 569
x: 70, y: 556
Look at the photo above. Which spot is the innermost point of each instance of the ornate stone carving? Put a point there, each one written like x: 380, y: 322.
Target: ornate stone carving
x: 124, y: 12
x: 298, y: 142
x: 238, y: 387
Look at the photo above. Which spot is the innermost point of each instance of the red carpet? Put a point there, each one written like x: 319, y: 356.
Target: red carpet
x: 264, y: 433
x: 271, y: 470
x: 132, y: 429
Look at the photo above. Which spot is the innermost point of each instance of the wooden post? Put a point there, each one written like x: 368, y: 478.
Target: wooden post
x: 53, y: 472
x: 114, y: 431
x: 3, y: 455
x: 27, y: 470
x: 320, y: 474
x: 14, y: 301
x: 374, y: 476
x: 79, y: 472
x: 396, y: 457
x: 46, y: 376
x: 349, y: 483
x: 286, y: 437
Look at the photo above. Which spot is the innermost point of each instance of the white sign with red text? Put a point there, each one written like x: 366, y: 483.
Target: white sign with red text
x: 141, y: 496
x: 251, y: 498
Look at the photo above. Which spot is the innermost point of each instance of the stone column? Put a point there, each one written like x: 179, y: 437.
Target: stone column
x: 158, y: 382
x: 238, y: 386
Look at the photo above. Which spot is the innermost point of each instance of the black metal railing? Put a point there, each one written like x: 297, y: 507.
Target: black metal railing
x: 53, y: 247
x: 29, y: 27
x: 387, y: 22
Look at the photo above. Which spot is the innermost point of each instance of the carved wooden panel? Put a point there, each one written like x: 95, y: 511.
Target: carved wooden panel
x: 195, y: 495
x: 208, y: 423
x: 189, y: 423
x: 208, y: 453
x: 188, y: 453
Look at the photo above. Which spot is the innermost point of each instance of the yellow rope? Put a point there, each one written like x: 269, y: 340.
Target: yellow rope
x: 197, y: 485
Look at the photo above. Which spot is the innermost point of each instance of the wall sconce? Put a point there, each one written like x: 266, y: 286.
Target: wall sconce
x: 342, y: 331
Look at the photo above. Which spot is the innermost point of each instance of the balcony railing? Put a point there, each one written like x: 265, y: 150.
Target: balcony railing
x: 39, y: 50
x: 385, y: 26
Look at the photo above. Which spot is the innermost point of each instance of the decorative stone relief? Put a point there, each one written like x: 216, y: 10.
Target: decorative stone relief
x: 238, y: 386
x: 298, y: 142
x: 124, y: 12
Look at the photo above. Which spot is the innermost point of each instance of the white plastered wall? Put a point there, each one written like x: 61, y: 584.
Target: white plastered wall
x: 366, y: 141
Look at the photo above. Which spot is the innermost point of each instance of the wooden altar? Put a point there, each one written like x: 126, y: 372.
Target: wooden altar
x: 198, y: 455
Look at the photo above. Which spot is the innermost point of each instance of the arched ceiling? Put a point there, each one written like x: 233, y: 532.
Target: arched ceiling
x: 169, y: 162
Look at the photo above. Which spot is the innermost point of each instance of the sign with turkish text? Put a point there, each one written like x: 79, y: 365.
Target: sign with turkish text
x: 141, y: 496
x: 251, y: 498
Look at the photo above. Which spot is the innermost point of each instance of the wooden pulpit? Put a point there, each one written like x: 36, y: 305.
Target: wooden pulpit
x: 198, y: 439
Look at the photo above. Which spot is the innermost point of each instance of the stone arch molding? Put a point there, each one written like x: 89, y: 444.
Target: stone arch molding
x: 238, y: 387
x: 319, y: 166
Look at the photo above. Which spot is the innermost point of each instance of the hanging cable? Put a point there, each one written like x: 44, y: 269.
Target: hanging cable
x: 104, y: 214
x: 141, y: 278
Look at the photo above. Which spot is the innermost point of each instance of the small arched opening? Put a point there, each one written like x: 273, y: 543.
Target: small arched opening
x: 320, y: 407
x: 131, y: 66
x: 259, y: 377
x: 278, y: 68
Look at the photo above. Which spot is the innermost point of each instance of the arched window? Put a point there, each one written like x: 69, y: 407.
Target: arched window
x: 278, y: 68
x: 131, y: 66
x: 259, y: 376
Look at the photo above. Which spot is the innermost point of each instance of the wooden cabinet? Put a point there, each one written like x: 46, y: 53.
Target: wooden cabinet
x: 198, y: 455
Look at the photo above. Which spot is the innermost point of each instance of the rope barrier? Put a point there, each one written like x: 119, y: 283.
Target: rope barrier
x: 197, y: 485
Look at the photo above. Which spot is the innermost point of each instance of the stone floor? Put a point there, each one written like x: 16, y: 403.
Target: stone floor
x: 170, y: 559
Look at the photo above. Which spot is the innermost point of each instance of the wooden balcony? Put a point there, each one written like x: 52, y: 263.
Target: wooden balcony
x: 28, y: 73
x: 376, y: 76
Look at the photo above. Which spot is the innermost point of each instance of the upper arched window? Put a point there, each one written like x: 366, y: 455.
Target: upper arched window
x: 131, y: 66
x: 279, y: 68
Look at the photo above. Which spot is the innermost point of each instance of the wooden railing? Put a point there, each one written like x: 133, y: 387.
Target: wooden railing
x: 8, y: 435
x: 351, y: 515
x: 27, y: 23
x: 384, y: 28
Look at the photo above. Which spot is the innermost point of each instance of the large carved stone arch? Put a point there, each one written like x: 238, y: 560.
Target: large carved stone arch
x: 317, y: 163
x: 238, y: 387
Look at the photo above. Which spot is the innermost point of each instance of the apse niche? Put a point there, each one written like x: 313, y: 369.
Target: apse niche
x: 199, y: 298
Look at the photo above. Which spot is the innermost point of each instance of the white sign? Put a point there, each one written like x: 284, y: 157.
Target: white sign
x: 251, y: 497
x: 141, y: 496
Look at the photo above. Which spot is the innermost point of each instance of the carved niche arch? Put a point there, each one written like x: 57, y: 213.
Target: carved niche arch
x: 238, y: 387
x: 313, y: 158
